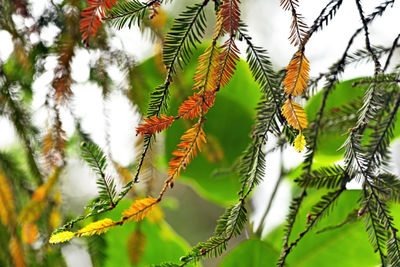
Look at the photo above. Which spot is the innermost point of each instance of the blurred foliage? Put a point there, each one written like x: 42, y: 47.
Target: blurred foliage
x: 350, y: 123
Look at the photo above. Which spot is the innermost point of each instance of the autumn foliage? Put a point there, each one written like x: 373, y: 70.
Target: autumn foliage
x: 297, y: 74
x: 91, y: 17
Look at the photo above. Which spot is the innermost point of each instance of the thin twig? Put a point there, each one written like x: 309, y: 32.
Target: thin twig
x: 367, y: 41
x: 394, y: 45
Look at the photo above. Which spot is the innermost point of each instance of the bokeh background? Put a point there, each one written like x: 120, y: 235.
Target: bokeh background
x: 109, y: 115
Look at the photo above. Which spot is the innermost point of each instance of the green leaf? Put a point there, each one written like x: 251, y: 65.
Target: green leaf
x: 185, y: 34
x: 252, y: 252
x: 162, y: 243
x: 96, y: 159
x: 350, y: 241
x: 343, y: 94
x: 328, y: 177
x: 344, y: 97
x: 128, y: 13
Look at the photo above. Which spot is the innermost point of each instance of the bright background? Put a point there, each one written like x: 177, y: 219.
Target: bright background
x: 269, y: 27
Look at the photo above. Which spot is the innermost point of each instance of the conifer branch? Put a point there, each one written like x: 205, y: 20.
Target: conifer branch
x: 324, y: 17
x: 367, y: 41
x: 320, y: 209
x: 298, y: 30
x: 184, y: 35
x: 338, y: 67
x: 332, y: 78
x: 137, y: 211
x: 252, y: 169
x: 91, y: 17
x: 388, y: 187
x: 357, y: 162
x: 296, y: 202
x: 381, y: 220
x: 128, y: 12
x: 327, y: 177
x: 394, y: 45
x: 159, y: 97
x: 261, y: 68
x: 96, y: 159
x: 190, y: 142
x: 375, y: 229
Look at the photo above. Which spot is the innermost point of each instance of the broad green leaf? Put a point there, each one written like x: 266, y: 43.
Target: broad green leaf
x: 161, y: 242
x: 252, y: 252
x: 342, y: 94
x: 344, y: 246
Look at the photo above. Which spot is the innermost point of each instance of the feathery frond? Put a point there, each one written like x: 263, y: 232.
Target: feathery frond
x: 298, y: 29
x: 196, y: 104
x: 326, y: 177
x: 268, y: 118
x: 372, y: 103
x: 295, y: 114
x: 227, y: 61
x: 376, y: 230
x: 297, y: 75
x: 140, y: 209
x: 128, y: 12
x: 96, y: 228
x: 213, y: 247
x: 91, y: 17
x: 231, y: 223
x: 191, y: 140
x: 229, y: 13
x: 251, y: 167
x: 62, y: 73
x: 261, y: 68
x: 154, y: 125
x: 206, y: 72
x: 61, y: 237
x: 158, y: 100
x: 96, y: 159
x: 184, y: 36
